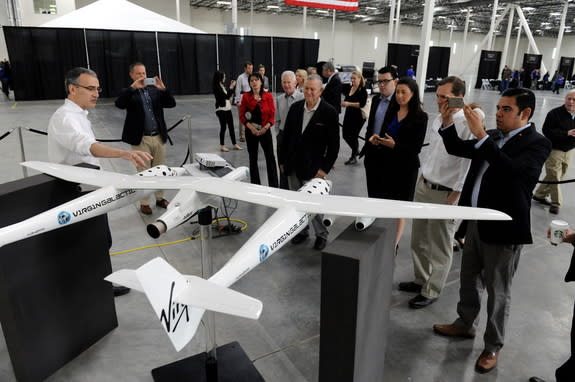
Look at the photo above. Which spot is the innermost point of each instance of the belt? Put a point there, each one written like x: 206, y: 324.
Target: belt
x: 437, y: 187
x: 153, y: 134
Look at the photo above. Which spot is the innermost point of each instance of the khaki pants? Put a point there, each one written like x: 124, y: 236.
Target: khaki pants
x: 555, y: 169
x: 431, y: 244
x: 156, y: 148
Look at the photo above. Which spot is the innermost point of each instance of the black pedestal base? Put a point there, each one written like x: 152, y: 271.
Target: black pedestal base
x: 233, y: 365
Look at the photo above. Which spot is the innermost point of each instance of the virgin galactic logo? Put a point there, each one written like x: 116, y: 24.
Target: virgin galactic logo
x: 264, y: 252
x: 64, y: 218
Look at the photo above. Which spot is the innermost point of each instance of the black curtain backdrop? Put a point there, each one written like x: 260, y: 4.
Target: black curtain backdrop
x: 488, y: 66
x: 40, y: 58
x: 112, y: 52
x: 438, y: 63
x: 403, y: 56
x: 566, y: 66
x: 292, y: 54
x: 188, y: 62
x: 530, y: 62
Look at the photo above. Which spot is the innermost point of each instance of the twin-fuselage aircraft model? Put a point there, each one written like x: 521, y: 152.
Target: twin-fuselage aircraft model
x: 180, y: 300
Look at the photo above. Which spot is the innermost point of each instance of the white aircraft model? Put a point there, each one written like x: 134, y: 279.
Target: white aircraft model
x: 180, y: 301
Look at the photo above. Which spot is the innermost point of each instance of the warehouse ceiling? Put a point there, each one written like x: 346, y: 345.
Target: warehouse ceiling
x: 543, y: 16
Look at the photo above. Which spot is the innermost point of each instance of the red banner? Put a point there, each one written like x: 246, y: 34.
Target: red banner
x: 340, y: 5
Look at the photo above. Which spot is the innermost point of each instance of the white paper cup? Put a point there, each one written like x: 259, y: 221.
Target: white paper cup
x: 558, y: 229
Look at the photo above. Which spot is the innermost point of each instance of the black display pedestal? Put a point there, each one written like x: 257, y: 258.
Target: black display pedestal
x: 356, y: 284
x: 233, y: 366
x: 54, y: 301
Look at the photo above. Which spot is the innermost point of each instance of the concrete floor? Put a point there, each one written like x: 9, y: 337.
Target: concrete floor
x: 284, y: 342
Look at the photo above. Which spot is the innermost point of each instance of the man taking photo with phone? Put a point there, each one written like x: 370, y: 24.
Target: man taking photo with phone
x: 145, y: 128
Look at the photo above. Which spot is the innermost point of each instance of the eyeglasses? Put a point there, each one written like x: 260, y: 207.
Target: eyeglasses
x: 383, y: 81
x: 90, y: 88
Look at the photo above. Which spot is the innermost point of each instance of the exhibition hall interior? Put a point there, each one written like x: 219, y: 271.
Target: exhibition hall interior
x: 355, y: 300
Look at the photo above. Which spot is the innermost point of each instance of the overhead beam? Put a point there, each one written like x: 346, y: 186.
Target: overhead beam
x: 555, y: 65
x: 423, y: 59
x: 530, y: 36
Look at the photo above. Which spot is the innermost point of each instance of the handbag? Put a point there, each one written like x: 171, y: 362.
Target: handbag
x: 366, y: 109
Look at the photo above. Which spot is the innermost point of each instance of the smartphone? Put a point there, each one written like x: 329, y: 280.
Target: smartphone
x: 149, y: 81
x: 455, y: 102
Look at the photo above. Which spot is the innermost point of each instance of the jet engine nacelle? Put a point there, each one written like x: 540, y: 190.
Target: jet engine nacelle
x: 362, y: 223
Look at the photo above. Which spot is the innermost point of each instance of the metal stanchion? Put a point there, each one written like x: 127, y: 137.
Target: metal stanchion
x: 205, y: 221
x: 191, y: 157
x: 22, y: 153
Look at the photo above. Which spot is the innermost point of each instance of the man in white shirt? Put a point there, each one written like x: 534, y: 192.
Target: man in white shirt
x: 441, y: 182
x: 243, y: 86
x: 70, y: 136
x: 283, y: 103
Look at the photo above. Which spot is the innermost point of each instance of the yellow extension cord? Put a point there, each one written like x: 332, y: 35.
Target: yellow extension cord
x: 243, y: 228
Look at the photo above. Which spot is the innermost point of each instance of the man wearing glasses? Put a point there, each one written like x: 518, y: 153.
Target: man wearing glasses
x: 145, y: 127
x: 70, y: 136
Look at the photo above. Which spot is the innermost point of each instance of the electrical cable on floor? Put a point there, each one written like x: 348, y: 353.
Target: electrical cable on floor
x: 215, y: 221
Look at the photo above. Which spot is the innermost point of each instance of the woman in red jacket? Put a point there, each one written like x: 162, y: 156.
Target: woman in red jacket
x: 257, y: 114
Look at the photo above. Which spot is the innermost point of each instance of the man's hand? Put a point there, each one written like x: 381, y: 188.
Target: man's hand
x: 475, y: 122
x: 447, y: 114
x: 138, y: 84
x: 568, y: 238
x: 159, y: 83
x: 571, y: 133
x: 139, y: 158
x: 320, y: 174
x: 282, y: 168
x: 453, y: 197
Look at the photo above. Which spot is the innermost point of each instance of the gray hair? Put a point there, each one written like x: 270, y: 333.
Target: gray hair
x: 288, y: 73
x: 72, y: 76
x: 329, y: 66
x: 316, y: 77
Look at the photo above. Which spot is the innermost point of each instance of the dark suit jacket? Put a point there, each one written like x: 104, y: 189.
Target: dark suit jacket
x: 130, y: 100
x: 508, y: 183
x: 318, y: 146
x: 332, y: 93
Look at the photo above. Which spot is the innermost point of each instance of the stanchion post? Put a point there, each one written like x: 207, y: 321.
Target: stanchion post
x: 205, y: 221
x: 22, y: 153
x: 191, y: 158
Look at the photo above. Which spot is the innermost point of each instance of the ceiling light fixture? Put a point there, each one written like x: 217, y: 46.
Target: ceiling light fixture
x: 273, y: 7
x: 223, y: 2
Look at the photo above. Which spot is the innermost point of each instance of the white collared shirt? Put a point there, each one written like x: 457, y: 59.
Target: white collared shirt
x: 70, y: 136
x: 437, y: 165
x: 283, y: 103
x: 308, y: 114
x: 242, y: 86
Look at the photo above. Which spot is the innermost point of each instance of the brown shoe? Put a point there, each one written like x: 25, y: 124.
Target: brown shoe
x: 486, y: 361
x: 146, y: 210
x: 452, y: 330
x: 162, y: 203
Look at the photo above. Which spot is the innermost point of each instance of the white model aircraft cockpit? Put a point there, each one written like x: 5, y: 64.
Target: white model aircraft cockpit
x: 179, y: 300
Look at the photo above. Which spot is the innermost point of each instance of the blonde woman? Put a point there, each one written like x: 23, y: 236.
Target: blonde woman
x: 300, y: 77
x: 353, y: 120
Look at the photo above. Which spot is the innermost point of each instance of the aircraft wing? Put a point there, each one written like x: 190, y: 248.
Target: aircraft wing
x: 273, y: 197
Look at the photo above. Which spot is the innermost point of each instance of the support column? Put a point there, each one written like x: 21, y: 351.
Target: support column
x: 391, y: 16
x: 555, y: 65
x: 507, y: 38
x: 421, y: 73
x: 464, y: 45
x: 492, y: 27
x: 397, y: 18
x: 178, y: 10
x: 333, y: 37
x: 304, y: 22
x: 516, y: 46
x: 251, y: 17
x: 529, y: 35
x: 235, y: 16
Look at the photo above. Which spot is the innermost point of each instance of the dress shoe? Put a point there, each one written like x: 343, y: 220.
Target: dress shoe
x: 541, y: 200
x: 536, y: 379
x: 452, y: 330
x: 242, y: 139
x: 299, y: 238
x: 554, y: 210
x: 421, y: 301
x: 162, y: 203
x: 486, y: 361
x: 351, y: 160
x: 146, y: 210
x: 409, y: 286
x: 320, y: 243
x: 120, y: 290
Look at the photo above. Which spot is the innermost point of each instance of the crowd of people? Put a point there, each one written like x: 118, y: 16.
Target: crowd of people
x: 513, y: 78
x: 466, y: 163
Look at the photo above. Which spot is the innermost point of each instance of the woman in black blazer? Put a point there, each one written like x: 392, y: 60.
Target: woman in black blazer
x: 224, y: 108
x: 400, y: 142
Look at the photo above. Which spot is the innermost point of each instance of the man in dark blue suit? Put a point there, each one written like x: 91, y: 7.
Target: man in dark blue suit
x: 332, y: 90
x: 505, y: 167
x: 310, y: 147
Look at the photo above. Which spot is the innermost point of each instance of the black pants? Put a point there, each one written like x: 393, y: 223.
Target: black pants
x: 266, y: 142
x: 226, y: 118
x: 566, y: 371
x: 283, y: 177
x: 350, y: 132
